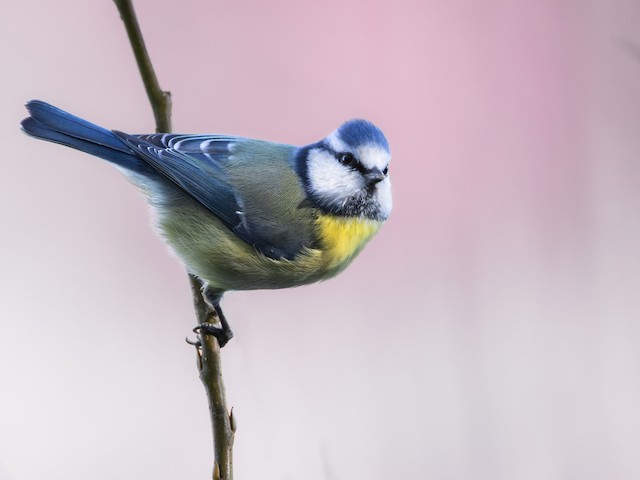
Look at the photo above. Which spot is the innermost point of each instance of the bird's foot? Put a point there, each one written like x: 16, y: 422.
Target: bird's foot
x: 222, y: 332
x: 195, y: 343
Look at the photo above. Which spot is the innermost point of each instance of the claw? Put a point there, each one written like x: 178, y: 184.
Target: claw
x: 223, y: 333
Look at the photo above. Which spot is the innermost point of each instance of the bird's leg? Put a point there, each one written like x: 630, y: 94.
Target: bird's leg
x: 223, y: 332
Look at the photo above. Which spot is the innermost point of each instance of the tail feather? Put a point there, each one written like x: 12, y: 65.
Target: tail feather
x: 52, y: 124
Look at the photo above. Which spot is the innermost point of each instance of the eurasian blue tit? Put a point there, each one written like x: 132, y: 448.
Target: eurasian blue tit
x: 246, y: 214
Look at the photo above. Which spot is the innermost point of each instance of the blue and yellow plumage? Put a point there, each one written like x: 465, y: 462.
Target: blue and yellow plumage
x: 247, y: 214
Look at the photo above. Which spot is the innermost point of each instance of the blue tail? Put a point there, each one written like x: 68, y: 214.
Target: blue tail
x: 50, y: 123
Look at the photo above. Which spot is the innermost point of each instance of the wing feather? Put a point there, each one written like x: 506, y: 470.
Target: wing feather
x: 195, y: 173
x: 248, y: 184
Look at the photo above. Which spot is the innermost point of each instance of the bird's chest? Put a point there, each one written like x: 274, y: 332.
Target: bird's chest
x: 341, y: 238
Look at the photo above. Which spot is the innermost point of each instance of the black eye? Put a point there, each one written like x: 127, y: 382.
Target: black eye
x: 347, y: 159
x: 386, y: 170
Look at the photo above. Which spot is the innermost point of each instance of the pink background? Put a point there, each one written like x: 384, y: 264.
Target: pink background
x: 490, y: 331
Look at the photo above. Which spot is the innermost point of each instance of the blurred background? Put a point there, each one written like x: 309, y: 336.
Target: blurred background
x: 490, y: 331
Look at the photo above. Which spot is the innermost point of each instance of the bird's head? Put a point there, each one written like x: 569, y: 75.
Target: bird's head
x: 347, y: 173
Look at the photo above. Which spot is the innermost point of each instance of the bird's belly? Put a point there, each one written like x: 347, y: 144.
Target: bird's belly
x: 215, y: 254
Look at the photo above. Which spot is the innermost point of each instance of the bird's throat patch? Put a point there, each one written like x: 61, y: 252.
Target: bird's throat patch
x: 343, y: 237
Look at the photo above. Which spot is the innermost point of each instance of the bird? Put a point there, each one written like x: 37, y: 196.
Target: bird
x: 245, y: 214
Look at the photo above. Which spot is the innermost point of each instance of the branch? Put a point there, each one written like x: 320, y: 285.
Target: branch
x: 159, y: 99
x: 208, y: 350
x: 223, y: 424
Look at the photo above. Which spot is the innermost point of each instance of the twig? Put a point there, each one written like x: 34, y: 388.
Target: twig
x: 210, y: 365
x: 209, y: 361
x: 159, y: 99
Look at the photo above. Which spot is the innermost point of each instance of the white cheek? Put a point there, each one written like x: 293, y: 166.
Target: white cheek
x: 331, y: 180
x: 383, y: 195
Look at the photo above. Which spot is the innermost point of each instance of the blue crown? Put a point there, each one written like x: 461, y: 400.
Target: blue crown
x: 362, y: 132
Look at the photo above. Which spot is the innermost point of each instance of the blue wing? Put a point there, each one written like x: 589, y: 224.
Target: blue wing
x: 248, y: 184
x: 241, y: 181
x: 193, y: 163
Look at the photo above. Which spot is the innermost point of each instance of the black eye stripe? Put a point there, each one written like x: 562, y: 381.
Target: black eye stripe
x: 349, y: 159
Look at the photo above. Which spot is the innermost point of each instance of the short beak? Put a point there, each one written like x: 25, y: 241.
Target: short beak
x: 373, y: 176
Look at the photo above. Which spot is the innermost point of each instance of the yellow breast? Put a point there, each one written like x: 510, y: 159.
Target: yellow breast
x: 342, y: 237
